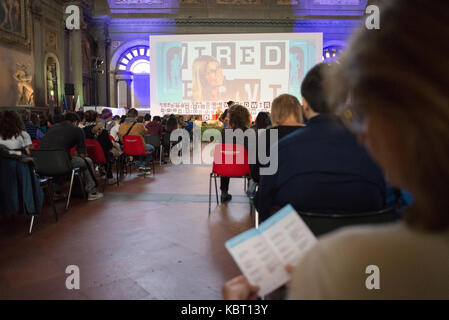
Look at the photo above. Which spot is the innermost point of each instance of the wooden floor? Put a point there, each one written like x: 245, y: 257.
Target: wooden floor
x: 147, y: 239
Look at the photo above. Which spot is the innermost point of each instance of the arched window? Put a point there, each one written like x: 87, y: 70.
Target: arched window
x: 136, y: 60
x: 133, y: 77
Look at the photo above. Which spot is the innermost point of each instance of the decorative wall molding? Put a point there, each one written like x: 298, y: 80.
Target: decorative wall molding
x: 232, y: 22
x: 18, y: 31
x: 239, y: 2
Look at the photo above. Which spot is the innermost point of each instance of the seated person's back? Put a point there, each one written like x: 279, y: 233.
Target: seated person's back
x: 64, y: 136
x: 154, y: 127
x: 322, y: 168
x: 131, y: 127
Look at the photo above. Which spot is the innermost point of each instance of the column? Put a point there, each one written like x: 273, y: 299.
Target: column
x: 39, y: 75
x: 76, y: 62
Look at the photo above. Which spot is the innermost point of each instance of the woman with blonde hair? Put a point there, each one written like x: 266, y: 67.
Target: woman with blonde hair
x: 399, y: 110
x: 207, y: 79
x: 286, y: 118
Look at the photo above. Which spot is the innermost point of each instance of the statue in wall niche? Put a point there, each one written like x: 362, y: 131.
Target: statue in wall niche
x: 50, y: 78
x: 26, y: 91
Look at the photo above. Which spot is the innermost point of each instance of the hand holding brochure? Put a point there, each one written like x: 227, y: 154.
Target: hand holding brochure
x: 262, y: 253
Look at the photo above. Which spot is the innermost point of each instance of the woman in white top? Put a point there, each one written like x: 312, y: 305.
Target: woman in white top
x: 399, y: 96
x: 12, y: 132
x: 115, y: 127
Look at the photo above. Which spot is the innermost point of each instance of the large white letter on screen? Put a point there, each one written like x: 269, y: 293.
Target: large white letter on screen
x: 276, y: 51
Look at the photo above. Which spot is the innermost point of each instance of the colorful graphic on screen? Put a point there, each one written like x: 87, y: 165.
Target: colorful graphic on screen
x: 198, y: 74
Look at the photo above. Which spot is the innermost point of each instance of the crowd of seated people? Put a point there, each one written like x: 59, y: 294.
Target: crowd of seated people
x: 13, y: 134
x: 72, y: 133
x: 321, y: 166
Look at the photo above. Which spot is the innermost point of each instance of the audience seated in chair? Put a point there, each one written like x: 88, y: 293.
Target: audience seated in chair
x: 66, y: 135
x: 322, y: 168
x: 389, y: 89
x: 32, y: 125
x: 12, y: 132
x: 95, y: 129
x: 239, y: 118
x: 114, y: 130
x: 130, y: 127
x: 155, y: 127
x: 286, y: 117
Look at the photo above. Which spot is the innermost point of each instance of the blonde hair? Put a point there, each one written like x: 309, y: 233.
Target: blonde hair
x: 283, y: 107
x: 386, y: 72
x: 198, y: 82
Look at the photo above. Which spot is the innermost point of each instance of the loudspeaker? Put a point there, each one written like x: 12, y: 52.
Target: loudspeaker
x: 69, y: 89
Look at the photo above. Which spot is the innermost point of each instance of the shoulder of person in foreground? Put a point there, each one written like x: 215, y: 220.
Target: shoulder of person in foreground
x: 374, y: 262
x: 291, y: 140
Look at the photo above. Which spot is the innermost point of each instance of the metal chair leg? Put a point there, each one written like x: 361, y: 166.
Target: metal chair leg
x: 210, y: 190
x: 31, y: 225
x: 50, y: 195
x: 216, y: 189
x: 160, y: 154
x: 108, y: 167
x: 70, y: 190
x: 154, y: 168
x: 117, y: 168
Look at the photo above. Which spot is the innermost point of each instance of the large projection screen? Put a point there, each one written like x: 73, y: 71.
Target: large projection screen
x: 198, y: 74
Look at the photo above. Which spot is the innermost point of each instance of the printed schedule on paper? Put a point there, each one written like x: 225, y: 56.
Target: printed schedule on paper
x: 263, y: 253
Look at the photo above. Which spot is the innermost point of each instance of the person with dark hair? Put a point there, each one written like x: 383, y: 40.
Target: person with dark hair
x: 239, y: 119
x: 262, y: 121
x: 57, y: 117
x: 82, y: 117
x: 321, y: 168
x: 31, y: 121
x: 131, y: 127
x: 388, y: 89
x: 66, y: 135
x: 94, y: 129
x: 172, y: 124
x: 12, y: 132
x: 43, y: 124
x: 122, y: 119
x: 146, y: 119
x: 155, y: 127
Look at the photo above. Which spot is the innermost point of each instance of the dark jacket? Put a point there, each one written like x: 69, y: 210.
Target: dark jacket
x: 102, y: 138
x: 263, y: 136
x: 64, y: 136
x: 20, y: 190
x: 323, y: 169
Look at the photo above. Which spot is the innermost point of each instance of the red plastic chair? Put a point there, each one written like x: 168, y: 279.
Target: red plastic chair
x: 230, y: 161
x: 36, y: 144
x: 96, y: 154
x: 133, y: 146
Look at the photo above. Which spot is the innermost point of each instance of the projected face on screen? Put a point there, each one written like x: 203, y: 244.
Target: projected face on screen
x: 198, y: 74
x: 207, y: 78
